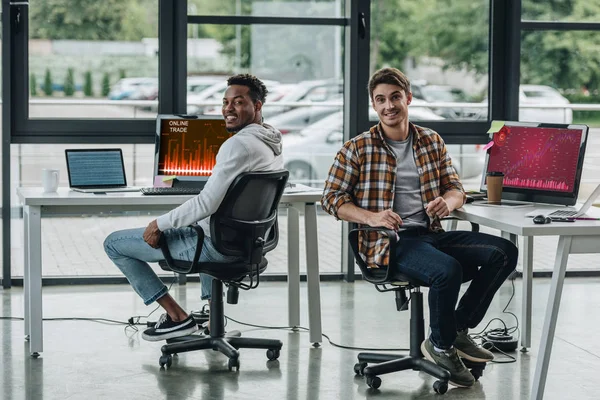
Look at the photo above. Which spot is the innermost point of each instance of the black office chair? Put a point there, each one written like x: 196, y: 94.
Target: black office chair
x: 385, y: 280
x: 245, y: 225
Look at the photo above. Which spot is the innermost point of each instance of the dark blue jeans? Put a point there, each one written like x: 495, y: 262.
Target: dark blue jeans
x: 444, y: 261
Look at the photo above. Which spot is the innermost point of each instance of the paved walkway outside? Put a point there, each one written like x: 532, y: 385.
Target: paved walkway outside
x: 73, y: 246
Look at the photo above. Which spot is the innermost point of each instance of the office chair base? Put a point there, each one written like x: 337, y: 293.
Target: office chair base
x: 387, y: 363
x: 227, y: 345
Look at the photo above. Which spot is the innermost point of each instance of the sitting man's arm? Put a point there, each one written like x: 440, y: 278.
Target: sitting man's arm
x: 232, y: 160
x: 338, y: 194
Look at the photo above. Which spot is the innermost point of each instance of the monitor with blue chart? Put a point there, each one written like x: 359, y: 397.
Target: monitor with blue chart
x: 542, y: 163
x: 186, y: 147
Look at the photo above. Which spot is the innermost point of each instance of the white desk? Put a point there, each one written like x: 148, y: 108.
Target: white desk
x: 574, y: 238
x: 66, y: 202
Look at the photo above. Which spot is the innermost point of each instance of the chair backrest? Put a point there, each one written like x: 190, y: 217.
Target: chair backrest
x: 248, y: 215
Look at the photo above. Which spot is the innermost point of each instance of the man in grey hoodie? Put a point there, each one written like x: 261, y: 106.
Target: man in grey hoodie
x: 254, y: 147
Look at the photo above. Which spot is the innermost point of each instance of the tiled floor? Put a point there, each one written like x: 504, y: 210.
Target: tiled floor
x: 86, y: 360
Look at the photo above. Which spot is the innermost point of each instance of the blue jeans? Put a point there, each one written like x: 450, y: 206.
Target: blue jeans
x: 128, y: 250
x: 444, y: 261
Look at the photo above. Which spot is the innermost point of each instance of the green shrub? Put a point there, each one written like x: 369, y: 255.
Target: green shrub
x: 48, y: 83
x: 105, y: 84
x: 32, y: 85
x: 88, y: 88
x: 122, y: 74
x: 69, y: 88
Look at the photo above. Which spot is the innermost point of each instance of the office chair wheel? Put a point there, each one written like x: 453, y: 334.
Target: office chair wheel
x: 233, y: 363
x: 440, y: 387
x: 374, y: 382
x: 359, y: 368
x: 273, y: 354
x: 477, y: 373
x: 165, y: 360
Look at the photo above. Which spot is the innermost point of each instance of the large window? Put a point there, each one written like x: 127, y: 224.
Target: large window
x: 272, y: 8
x: 93, y: 59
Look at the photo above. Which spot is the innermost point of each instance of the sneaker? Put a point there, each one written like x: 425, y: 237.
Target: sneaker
x: 448, y: 359
x: 166, y: 328
x: 467, y: 348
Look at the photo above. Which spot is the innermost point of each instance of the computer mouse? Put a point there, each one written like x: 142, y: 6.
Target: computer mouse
x: 541, y: 219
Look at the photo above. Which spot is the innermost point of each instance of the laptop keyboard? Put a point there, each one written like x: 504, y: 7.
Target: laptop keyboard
x: 563, y: 213
x: 157, y: 191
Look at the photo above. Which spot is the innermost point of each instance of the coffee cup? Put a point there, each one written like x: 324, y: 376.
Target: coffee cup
x: 50, y: 178
x: 494, y: 181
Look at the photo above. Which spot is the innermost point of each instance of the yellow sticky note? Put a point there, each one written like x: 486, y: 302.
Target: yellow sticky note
x: 496, y: 126
x: 169, y: 178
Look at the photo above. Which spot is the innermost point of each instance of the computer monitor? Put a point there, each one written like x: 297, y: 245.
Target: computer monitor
x: 186, y: 146
x: 541, y: 163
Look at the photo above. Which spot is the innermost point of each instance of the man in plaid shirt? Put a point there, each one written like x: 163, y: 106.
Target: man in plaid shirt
x: 399, y: 176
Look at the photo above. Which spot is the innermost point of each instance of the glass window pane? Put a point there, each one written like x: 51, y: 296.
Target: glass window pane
x: 447, y: 63
x: 273, y: 8
x: 90, y: 59
x: 559, y: 10
x: 558, y: 70
x: 304, y: 78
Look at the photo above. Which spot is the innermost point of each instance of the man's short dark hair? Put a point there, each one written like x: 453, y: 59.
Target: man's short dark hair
x: 258, y: 90
x: 391, y: 76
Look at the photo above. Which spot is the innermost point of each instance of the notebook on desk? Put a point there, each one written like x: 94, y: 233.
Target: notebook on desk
x: 568, y: 211
x: 97, y: 171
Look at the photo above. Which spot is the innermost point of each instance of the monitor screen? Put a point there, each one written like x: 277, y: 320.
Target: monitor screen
x: 541, y: 162
x: 187, y: 147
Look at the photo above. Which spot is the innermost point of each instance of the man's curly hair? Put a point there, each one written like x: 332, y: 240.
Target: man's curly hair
x: 258, y: 90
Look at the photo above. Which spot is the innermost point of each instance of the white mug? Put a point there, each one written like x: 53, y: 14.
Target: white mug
x: 50, y: 180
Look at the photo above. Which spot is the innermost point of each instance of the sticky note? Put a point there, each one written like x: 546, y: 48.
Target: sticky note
x: 496, y: 126
x: 168, y: 178
x: 159, y: 181
x: 487, y: 146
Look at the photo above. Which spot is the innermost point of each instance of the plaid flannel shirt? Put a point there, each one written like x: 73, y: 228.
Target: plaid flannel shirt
x: 364, y: 173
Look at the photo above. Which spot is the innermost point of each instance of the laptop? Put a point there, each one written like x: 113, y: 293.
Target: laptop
x: 567, y: 212
x: 97, y: 171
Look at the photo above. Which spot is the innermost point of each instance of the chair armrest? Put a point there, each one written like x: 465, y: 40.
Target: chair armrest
x: 366, y: 271
x: 171, y: 262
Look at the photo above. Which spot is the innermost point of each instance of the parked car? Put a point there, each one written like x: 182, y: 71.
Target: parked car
x: 133, y: 89
x: 539, y: 95
x: 448, y: 94
x: 213, y: 94
x: 295, y: 120
x: 314, y: 91
x: 309, y: 154
x: 197, y: 84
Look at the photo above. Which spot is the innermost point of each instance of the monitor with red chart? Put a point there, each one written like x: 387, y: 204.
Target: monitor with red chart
x: 186, y: 146
x: 541, y: 163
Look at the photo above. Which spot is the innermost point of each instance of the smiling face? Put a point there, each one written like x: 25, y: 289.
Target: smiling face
x: 391, y: 104
x: 239, y: 110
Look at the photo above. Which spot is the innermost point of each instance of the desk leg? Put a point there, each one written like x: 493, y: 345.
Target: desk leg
x: 293, y: 267
x: 527, y: 288
x: 312, y: 273
x: 558, y: 278
x: 26, y: 316
x: 34, y: 289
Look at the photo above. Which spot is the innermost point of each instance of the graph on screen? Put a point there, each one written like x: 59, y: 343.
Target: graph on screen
x: 188, y: 147
x: 538, y: 158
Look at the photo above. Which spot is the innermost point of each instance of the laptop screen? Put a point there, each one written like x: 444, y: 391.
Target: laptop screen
x: 95, y: 168
x: 541, y: 162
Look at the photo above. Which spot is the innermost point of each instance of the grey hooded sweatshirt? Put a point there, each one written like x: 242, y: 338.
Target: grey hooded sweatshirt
x: 254, y: 148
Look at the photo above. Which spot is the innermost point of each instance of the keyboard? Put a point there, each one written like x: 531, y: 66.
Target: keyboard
x: 157, y: 191
x: 563, y: 213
